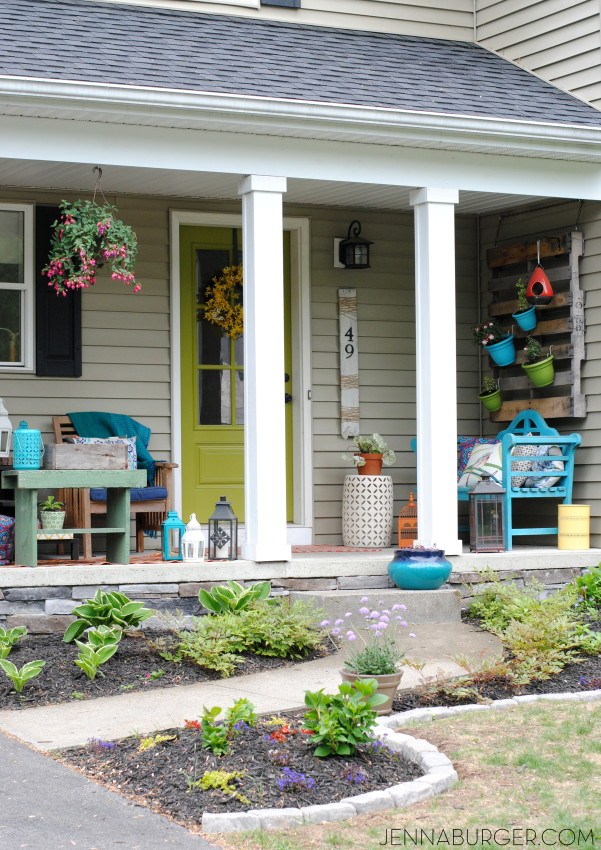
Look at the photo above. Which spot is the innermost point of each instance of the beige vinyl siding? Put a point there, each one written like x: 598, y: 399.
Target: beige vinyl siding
x: 386, y: 341
x: 453, y: 19
x: 558, y: 41
x: 561, y: 218
x: 126, y: 342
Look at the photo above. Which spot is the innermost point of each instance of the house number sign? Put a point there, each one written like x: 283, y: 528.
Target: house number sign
x: 349, y: 363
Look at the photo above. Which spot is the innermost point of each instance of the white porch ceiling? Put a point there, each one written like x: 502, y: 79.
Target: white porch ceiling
x: 31, y: 175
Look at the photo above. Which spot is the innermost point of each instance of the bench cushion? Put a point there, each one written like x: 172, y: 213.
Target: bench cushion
x: 137, y: 494
x: 464, y: 449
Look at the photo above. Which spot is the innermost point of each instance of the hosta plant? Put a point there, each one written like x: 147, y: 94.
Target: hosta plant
x: 9, y: 637
x: 86, y: 236
x: 19, y: 677
x: 233, y: 596
x: 102, y: 644
x: 107, y: 609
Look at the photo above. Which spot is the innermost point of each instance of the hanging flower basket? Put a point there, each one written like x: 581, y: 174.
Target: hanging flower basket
x: 223, y: 302
x: 85, y: 237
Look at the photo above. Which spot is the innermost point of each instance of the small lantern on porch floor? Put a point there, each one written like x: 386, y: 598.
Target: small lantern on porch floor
x: 223, y: 532
x: 407, y: 526
x: 487, y: 517
x: 172, y: 530
x: 193, y: 541
x: 6, y: 433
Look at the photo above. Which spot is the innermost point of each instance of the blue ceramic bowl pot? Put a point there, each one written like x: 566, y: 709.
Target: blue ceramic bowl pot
x: 419, y: 569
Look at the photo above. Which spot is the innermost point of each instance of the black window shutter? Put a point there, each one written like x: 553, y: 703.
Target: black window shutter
x: 58, y: 319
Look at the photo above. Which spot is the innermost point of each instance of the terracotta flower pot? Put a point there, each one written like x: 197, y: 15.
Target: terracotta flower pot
x: 387, y: 685
x: 372, y: 465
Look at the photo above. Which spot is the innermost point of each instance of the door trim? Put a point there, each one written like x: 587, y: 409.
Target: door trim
x: 300, y: 262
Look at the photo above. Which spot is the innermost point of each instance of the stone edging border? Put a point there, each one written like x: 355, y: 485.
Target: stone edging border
x: 440, y: 773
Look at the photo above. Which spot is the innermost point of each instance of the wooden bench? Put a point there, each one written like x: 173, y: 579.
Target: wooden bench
x: 149, y: 513
x: 529, y: 428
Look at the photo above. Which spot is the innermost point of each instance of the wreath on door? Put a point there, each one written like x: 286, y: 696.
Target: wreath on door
x: 223, y: 302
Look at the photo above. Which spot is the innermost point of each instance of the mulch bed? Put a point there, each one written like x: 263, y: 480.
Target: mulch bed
x: 135, y: 667
x: 159, y: 777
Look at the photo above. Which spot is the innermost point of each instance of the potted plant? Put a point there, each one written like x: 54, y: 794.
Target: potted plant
x: 52, y: 514
x: 497, y: 342
x: 372, y: 452
x: 372, y: 647
x: 419, y: 568
x: 85, y: 237
x: 538, y: 365
x: 525, y: 315
x: 490, y: 395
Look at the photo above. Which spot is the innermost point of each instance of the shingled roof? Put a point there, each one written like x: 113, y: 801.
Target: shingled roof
x: 167, y: 48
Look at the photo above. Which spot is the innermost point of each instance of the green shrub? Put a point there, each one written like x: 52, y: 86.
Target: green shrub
x: 102, y: 644
x: 216, y: 734
x: 217, y: 642
x: 340, y: 722
x: 107, y: 609
x: 589, y: 587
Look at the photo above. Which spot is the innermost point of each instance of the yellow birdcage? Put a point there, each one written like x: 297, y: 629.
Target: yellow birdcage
x: 408, y: 524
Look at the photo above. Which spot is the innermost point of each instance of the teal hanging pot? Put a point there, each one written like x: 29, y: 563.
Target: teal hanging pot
x: 502, y: 353
x: 526, y: 320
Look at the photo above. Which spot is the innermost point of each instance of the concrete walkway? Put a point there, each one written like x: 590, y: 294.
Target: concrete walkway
x: 71, y: 724
x: 46, y: 806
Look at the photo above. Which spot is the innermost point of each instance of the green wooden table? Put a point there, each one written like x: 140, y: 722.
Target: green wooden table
x: 26, y: 484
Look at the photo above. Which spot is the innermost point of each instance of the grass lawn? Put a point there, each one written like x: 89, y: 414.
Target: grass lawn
x: 535, y: 767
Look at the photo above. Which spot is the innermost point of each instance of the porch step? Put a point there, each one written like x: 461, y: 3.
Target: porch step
x: 423, y: 606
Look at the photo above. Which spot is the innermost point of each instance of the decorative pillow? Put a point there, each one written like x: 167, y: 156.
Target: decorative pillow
x: 476, y: 465
x: 464, y: 449
x: 544, y: 465
x: 521, y: 465
x: 130, y: 442
x: 7, y: 540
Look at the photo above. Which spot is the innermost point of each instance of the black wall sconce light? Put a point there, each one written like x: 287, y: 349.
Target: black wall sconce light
x: 353, y: 252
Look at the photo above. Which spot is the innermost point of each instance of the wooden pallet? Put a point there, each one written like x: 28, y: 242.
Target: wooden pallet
x: 560, y: 325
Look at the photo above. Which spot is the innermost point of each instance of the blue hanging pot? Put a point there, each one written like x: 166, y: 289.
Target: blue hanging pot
x: 526, y: 320
x: 502, y: 353
x: 28, y: 447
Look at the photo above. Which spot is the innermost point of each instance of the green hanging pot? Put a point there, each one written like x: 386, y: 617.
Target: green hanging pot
x: 491, y: 401
x: 541, y: 374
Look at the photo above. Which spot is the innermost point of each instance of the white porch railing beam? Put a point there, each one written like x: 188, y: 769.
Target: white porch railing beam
x: 436, y: 369
x: 264, y: 420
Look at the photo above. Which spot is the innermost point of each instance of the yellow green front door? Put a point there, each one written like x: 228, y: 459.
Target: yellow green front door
x: 212, y: 372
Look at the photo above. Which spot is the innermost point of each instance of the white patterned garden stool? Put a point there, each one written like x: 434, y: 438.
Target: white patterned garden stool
x: 367, y: 510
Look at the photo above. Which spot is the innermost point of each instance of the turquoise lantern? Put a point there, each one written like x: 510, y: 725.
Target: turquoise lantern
x: 28, y: 447
x: 173, y: 529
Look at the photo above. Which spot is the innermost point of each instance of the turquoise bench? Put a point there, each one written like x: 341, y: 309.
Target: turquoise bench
x: 530, y: 429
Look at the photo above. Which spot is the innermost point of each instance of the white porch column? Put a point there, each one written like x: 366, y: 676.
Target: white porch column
x: 436, y: 369
x: 264, y: 421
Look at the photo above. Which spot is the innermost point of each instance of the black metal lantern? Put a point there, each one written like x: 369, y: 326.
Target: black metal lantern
x: 487, y: 517
x: 353, y: 252
x: 223, y: 533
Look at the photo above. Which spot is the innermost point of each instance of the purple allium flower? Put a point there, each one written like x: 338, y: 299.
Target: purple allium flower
x: 364, y: 611
x: 402, y: 622
x: 364, y: 599
x: 348, y: 614
x: 351, y: 635
x: 338, y: 622
x: 336, y: 631
x: 380, y: 626
x: 375, y: 615
x: 324, y: 624
x: 398, y: 607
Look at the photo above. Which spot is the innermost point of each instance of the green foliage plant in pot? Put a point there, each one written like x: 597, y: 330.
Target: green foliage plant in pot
x: 490, y: 396
x: 52, y: 514
x: 372, y: 451
x: 497, y: 343
x: 538, y: 366
x: 372, y: 639
x: 525, y: 315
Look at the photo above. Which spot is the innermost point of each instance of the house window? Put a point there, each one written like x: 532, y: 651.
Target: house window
x: 289, y: 4
x: 16, y: 287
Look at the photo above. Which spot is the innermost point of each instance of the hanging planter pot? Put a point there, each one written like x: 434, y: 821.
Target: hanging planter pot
x: 491, y: 401
x: 539, y: 289
x: 502, y: 353
x: 541, y: 374
x: 526, y: 320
